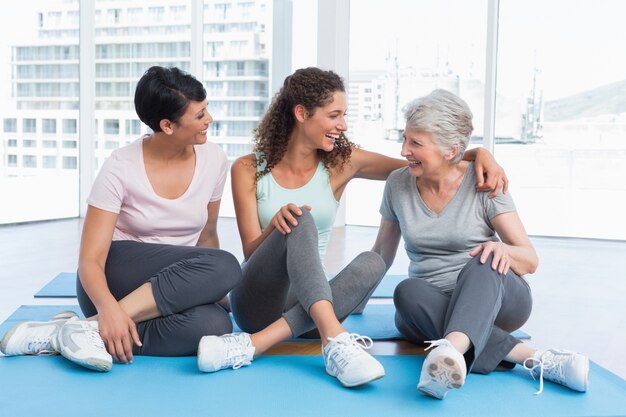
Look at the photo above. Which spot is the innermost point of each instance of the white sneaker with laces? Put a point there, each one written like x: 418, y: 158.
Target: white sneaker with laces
x: 79, y: 341
x: 346, y: 359
x: 33, y: 337
x: 443, y: 369
x: 232, y: 350
x: 563, y: 367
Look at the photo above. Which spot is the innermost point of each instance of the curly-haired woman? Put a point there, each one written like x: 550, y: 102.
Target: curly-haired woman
x: 286, y: 196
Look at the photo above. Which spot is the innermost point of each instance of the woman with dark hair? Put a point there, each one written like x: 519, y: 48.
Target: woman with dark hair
x: 286, y: 195
x: 150, y: 271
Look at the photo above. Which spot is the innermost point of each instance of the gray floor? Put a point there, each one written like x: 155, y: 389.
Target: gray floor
x: 579, y: 289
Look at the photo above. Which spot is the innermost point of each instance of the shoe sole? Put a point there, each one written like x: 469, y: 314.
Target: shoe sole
x: 94, y: 364
x: 359, y: 382
x: 445, y: 374
x: 5, y: 340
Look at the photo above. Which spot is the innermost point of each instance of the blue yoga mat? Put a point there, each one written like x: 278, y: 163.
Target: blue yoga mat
x: 282, y: 386
x: 375, y: 322
x: 61, y: 286
x: 388, y: 285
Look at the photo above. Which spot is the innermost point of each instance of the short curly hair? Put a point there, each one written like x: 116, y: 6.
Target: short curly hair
x: 312, y: 88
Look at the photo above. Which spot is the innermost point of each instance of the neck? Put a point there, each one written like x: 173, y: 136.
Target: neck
x: 444, y: 179
x: 159, y: 145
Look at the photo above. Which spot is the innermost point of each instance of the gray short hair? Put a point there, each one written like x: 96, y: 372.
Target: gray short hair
x: 446, y: 116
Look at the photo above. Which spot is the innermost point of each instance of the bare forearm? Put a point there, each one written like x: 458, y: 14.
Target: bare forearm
x: 249, y: 248
x: 523, y: 259
x: 94, y: 283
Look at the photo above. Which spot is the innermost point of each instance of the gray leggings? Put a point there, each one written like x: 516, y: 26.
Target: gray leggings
x: 186, y: 281
x: 284, y: 277
x: 485, y: 306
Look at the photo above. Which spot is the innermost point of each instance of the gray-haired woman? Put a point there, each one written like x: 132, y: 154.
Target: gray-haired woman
x: 465, y: 293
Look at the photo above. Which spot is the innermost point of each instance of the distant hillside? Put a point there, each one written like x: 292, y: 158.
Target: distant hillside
x: 607, y: 99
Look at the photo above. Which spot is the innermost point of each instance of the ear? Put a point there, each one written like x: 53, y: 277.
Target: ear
x: 300, y: 113
x: 453, y: 152
x: 166, y: 126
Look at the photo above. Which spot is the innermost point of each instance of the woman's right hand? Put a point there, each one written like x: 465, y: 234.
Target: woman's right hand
x: 285, y: 216
x: 119, y: 332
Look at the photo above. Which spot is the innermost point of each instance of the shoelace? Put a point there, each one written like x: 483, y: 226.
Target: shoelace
x: 349, y: 347
x: 40, y: 345
x: 236, y: 354
x: 543, y: 364
x: 435, y: 343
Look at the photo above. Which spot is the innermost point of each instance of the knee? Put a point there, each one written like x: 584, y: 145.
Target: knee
x: 476, y: 270
x: 211, y: 319
x: 370, y: 266
x: 224, y: 265
x: 306, y: 222
x: 404, y: 295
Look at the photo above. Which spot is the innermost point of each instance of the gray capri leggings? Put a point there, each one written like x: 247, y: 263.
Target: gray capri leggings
x: 485, y: 305
x: 284, y: 277
x: 186, y: 281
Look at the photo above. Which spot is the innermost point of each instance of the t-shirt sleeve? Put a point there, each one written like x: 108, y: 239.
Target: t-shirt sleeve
x: 107, y: 192
x: 386, y: 205
x: 222, y: 162
x: 502, y: 203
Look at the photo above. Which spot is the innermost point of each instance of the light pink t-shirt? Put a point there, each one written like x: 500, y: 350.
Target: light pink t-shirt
x: 122, y: 187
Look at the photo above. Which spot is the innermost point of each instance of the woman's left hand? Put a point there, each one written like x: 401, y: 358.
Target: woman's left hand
x: 489, y: 175
x: 501, y: 260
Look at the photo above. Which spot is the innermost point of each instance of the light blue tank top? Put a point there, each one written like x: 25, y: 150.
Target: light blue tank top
x: 316, y: 193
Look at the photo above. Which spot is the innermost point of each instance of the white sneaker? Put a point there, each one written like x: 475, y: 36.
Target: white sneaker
x: 232, y: 350
x: 564, y: 367
x: 33, y: 337
x: 346, y: 359
x: 443, y: 369
x: 79, y: 341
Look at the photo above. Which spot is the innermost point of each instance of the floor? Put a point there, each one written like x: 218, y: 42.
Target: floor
x: 579, y: 289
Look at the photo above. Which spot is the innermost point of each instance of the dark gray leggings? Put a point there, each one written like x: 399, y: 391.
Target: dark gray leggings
x: 485, y: 306
x: 186, y: 281
x: 284, y: 277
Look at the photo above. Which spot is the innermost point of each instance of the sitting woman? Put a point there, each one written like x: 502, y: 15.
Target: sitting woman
x: 151, y: 274
x: 464, y: 307
x: 286, y: 196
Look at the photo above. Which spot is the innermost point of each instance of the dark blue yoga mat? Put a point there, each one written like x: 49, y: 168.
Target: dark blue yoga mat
x: 282, y: 386
x: 61, y: 286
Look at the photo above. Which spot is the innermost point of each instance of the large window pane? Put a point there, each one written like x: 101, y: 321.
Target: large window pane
x: 561, y: 130
x: 400, y: 50
x: 38, y: 90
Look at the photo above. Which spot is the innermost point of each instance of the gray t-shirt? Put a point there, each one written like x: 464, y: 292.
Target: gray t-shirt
x: 438, y: 245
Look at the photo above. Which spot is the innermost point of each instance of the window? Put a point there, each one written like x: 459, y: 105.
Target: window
x: 69, y: 144
x: 133, y: 127
x: 69, y: 126
x: 29, y: 143
x: 70, y: 162
x: 29, y: 161
x: 12, y: 161
x: 400, y: 61
x: 12, y: 143
x: 49, y: 162
x: 29, y: 125
x: 48, y: 144
x: 49, y: 126
x: 111, y: 127
x: 10, y: 125
x: 559, y: 128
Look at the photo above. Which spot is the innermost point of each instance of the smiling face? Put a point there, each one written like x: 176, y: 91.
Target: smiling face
x: 194, y: 123
x: 424, y: 155
x: 324, y: 126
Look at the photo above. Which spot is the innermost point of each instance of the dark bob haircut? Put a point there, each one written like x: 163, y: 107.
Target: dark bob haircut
x: 165, y: 93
